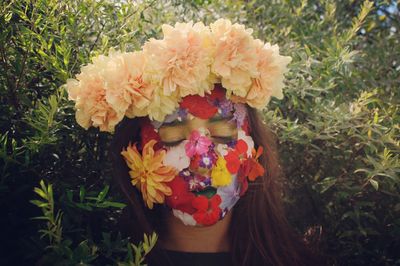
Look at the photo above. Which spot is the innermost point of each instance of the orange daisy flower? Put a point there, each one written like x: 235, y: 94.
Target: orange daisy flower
x: 148, y: 173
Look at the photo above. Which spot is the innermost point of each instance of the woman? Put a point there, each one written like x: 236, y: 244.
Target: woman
x: 195, y: 161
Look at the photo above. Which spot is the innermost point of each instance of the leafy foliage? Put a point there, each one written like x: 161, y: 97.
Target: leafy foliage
x: 53, y: 222
x: 61, y: 251
x: 338, y: 126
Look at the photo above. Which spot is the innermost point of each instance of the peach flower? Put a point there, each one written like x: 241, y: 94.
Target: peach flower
x: 187, y: 61
x: 126, y: 89
x: 88, y: 92
x: 235, y: 60
x: 181, y: 61
x: 271, y: 66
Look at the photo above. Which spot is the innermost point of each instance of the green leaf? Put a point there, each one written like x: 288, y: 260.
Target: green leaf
x: 114, y: 204
x: 82, y: 193
x: 40, y: 192
x: 103, y: 193
x: 374, y: 183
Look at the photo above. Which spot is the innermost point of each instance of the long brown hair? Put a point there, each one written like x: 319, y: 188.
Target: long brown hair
x: 259, y: 231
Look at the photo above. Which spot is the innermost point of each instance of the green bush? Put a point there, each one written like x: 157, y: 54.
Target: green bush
x: 338, y: 125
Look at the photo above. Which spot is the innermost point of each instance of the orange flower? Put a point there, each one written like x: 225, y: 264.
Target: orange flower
x: 256, y: 169
x: 148, y: 172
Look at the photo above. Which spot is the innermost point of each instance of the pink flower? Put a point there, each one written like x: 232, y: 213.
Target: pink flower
x: 198, y: 144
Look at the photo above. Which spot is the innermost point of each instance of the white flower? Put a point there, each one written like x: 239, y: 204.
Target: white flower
x: 176, y: 157
x: 229, y: 194
x: 222, y: 149
x: 186, y: 218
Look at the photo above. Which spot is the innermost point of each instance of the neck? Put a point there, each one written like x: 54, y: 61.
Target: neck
x: 209, y: 239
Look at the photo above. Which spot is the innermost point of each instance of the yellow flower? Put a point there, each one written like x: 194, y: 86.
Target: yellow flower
x: 148, y: 173
x: 220, y: 175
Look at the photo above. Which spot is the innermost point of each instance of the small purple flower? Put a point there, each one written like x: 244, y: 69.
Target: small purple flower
x: 239, y: 114
x: 208, y: 160
x: 198, y: 182
x: 171, y: 117
x: 168, y: 119
x: 156, y: 124
x: 232, y: 144
x: 211, y: 147
x: 207, y: 182
x: 226, y: 107
x: 182, y: 113
x: 185, y: 173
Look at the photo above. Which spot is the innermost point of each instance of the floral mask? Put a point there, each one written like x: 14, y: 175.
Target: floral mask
x: 200, y: 172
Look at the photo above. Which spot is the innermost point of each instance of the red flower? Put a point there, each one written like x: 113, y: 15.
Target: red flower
x: 245, y: 126
x: 208, y: 211
x: 198, y: 106
x: 195, y: 162
x: 236, y: 156
x: 147, y: 133
x: 218, y: 93
x: 181, y: 198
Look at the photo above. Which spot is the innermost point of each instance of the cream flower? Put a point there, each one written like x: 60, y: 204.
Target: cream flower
x: 88, y: 92
x: 181, y: 61
x: 126, y: 88
x: 148, y: 172
x: 162, y: 105
x: 271, y: 66
x: 235, y: 60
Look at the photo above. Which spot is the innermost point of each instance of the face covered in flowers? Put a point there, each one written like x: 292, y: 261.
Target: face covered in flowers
x: 199, y: 159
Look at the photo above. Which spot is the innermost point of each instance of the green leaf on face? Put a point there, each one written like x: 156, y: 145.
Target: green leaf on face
x: 208, y: 192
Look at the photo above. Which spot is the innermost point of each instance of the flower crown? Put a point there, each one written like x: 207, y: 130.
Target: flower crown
x: 189, y: 60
